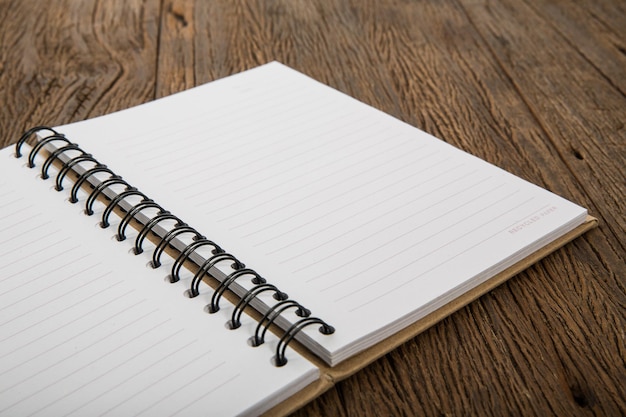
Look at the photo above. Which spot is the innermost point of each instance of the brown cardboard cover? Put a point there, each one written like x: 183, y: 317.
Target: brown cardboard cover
x: 330, y: 375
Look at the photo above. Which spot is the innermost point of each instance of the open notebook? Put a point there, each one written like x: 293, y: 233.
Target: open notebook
x: 346, y: 229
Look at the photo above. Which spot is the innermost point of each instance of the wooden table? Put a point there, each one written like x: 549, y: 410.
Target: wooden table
x: 537, y: 87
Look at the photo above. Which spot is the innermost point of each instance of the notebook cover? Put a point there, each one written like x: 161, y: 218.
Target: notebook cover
x: 331, y: 375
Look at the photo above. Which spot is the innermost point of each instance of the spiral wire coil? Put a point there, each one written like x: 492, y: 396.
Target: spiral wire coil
x: 160, y: 216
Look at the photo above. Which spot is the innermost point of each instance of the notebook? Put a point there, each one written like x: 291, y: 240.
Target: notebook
x: 241, y: 246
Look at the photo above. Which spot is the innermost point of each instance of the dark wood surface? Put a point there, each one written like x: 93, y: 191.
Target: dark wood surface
x: 537, y: 87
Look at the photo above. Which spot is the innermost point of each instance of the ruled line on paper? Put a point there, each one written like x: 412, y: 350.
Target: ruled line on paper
x: 93, y: 307
x: 137, y: 372
x: 305, y: 156
x: 41, y: 238
x: 340, y: 251
x: 41, y: 262
x: 225, y: 122
x: 7, y: 195
x: 192, y: 148
x: 80, y: 317
x: 153, y: 383
x: 39, y: 227
x: 274, y: 184
x: 189, y: 182
x: 443, y: 186
x: 461, y: 220
x: 341, y: 220
x: 184, y: 135
x: 191, y: 185
x: 16, y: 211
x: 203, y: 373
x: 397, y: 287
x: 68, y: 307
x: 143, y: 138
x: 19, y: 223
x: 315, y: 196
x: 314, y: 208
x: 211, y: 391
x: 229, y: 151
x: 300, y: 157
x: 95, y: 343
x: 115, y: 367
x: 43, y: 288
x: 96, y: 359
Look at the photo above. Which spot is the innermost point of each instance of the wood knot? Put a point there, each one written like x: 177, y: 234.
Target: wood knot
x: 581, y: 398
x: 179, y: 17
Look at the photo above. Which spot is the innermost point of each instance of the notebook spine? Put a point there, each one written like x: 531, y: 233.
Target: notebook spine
x: 89, y: 172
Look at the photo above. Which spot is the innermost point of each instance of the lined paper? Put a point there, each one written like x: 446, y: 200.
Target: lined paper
x: 366, y: 220
x: 87, y: 329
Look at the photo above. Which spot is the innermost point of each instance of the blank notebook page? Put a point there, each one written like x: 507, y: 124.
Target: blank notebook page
x: 362, y: 218
x: 87, y: 329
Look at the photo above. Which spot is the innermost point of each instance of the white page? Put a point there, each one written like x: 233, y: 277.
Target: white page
x: 364, y: 219
x: 87, y: 329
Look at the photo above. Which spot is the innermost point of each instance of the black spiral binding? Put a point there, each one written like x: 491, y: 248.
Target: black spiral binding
x: 90, y: 167
x: 214, y: 306
x: 271, y: 315
x: 67, y: 167
x: 235, y: 321
x: 167, y: 239
x: 280, y: 359
x: 54, y: 155
x: 132, y: 191
x: 185, y: 253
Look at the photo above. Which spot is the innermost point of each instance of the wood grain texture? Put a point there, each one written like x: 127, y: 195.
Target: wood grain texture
x: 535, y: 86
x: 72, y: 60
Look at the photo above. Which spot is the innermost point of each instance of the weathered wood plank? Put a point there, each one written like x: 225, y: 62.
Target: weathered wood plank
x: 73, y: 60
x: 534, y: 87
x: 570, y: 99
x: 584, y: 26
